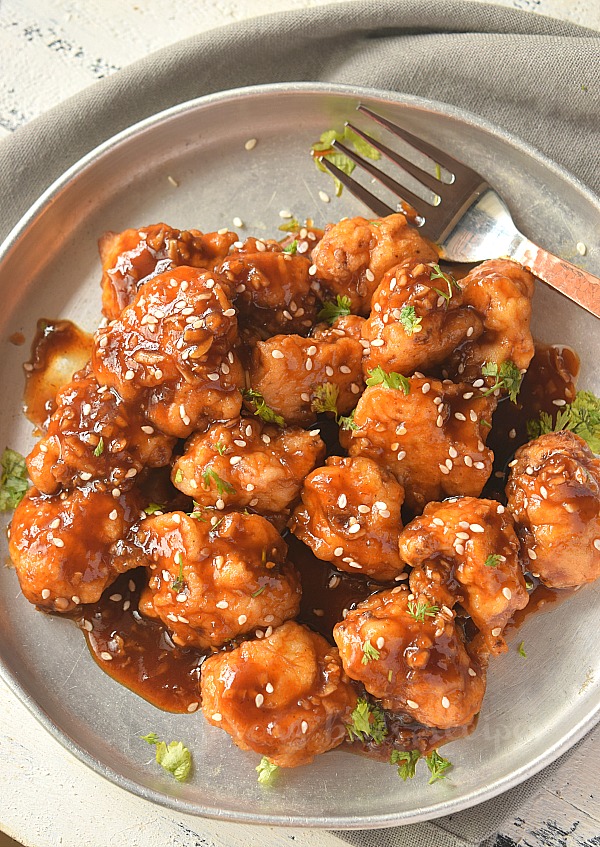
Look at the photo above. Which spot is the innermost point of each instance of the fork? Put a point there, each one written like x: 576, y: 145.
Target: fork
x: 466, y: 218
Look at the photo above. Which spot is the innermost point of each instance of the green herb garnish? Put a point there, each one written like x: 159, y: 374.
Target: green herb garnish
x: 438, y: 273
x: 325, y: 398
x: 13, y: 483
x: 410, y: 320
x: 332, y: 310
x: 368, y: 723
x: 178, y: 475
x: 582, y: 417
x: 323, y: 149
x: 508, y: 378
x: 293, y: 225
x: 521, y: 650
x: 437, y: 766
x: 406, y: 761
x: 174, y: 757
x: 420, y: 611
x: 152, y: 508
x: 378, y: 376
x: 266, y: 771
x: 220, y: 447
x: 99, y: 447
x: 370, y: 654
x: 493, y: 560
x: 347, y: 421
x: 259, y: 591
x: 261, y: 410
x: 223, y: 487
x: 291, y: 248
x: 178, y: 584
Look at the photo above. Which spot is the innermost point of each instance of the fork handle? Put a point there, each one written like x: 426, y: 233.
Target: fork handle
x: 581, y: 287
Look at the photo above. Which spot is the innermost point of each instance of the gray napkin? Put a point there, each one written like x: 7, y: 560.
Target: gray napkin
x: 538, y: 78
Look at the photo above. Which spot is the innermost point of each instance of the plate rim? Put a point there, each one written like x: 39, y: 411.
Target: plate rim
x: 372, y: 821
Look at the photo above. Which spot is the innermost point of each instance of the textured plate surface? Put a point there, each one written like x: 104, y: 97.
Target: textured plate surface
x: 49, y: 267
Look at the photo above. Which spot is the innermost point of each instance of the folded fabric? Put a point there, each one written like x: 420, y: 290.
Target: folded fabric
x: 536, y: 77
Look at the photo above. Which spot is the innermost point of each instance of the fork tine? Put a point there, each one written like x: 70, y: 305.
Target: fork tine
x: 431, y: 182
x: 418, y: 204
x: 437, y: 156
x: 372, y: 202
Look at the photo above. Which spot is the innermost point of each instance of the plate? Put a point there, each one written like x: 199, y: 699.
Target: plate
x: 189, y: 166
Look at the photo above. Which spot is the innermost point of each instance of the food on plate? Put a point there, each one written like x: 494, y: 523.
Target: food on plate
x: 285, y: 696
x: 339, y: 386
x: 554, y: 495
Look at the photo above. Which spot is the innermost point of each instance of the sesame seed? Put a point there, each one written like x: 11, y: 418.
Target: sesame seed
x: 426, y: 387
x: 269, y: 688
x: 472, y: 672
x: 401, y: 429
x: 581, y: 248
x: 334, y: 581
x: 250, y: 144
x: 444, y: 469
x: 314, y: 432
x: 85, y: 475
x: 61, y: 603
x: 242, y: 620
x: 116, y: 598
x: 58, y: 542
x: 105, y: 656
x: 496, y: 631
x: 531, y: 553
x: 345, y: 369
x: 354, y: 388
x: 380, y: 642
x: 479, y: 465
x: 473, y: 415
x: 324, y: 197
x: 87, y: 625
x: 439, y: 421
x: 229, y: 313
x: 217, y: 717
x: 464, y: 536
x: 338, y: 551
x: 55, y: 523
x: 355, y: 565
x: 459, y: 548
x: 213, y: 377
x: 449, y: 464
x: 468, y: 461
x: 304, y: 727
x: 478, y: 383
x: 312, y: 270
x: 308, y: 365
x: 329, y: 370
x: 459, y: 416
x: 411, y: 704
x: 305, y: 397
x: 507, y: 593
x: 342, y: 501
x: 475, y: 527
x: 597, y: 543
x: 259, y: 700
x: 181, y: 598
x: 45, y: 593
x: 113, y: 515
x: 437, y: 521
x: 377, y: 342
x: 354, y: 528
x: 513, y: 463
x: 222, y: 604
x: 235, y: 460
x: 543, y: 492
x: 445, y: 703
x: 148, y: 430
x: 129, y: 375
x: 369, y: 275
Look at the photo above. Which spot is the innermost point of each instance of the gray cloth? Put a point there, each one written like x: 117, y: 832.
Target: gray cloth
x: 538, y: 78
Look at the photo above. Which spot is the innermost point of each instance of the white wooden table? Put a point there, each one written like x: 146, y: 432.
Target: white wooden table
x: 50, y: 49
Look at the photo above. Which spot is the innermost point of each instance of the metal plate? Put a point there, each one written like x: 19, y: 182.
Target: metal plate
x: 534, y: 709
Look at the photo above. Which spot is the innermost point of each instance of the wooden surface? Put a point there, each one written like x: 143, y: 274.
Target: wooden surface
x: 50, y: 49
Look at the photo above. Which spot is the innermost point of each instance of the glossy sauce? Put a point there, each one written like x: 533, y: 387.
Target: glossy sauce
x: 59, y: 349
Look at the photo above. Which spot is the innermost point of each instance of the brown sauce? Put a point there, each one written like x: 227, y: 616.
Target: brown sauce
x: 59, y: 349
x: 144, y: 659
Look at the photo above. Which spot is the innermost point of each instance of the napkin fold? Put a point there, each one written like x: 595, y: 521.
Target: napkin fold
x: 534, y: 76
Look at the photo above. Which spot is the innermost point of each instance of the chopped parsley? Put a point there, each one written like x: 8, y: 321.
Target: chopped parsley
x: 332, y: 310
x: 153, y: 508
x: 13, y: 483
x: 178, y: 584
x: 293, y: 225
x: 410, y: 320
x: 325, y: 398
x: 493, y: 560
x: 322, y: 149
x: 99, y: 447
x: 174, y: 757
x: 197, y: 511
x: 368, y: 723
x: 378, y: 376
x: 291, y: 248
x: 437, y: 766
x: 582, y: 417
x: 420, y: 611
x: 261, y: 410
x: 259, y: 591
x: 220, y: 447
x: 508, y: 378
x: 223, y: 487
x: 370, y: 654
x: 266, y: 771
x: 452, y: 284
x: 406, y: 761
x: 521, y: 650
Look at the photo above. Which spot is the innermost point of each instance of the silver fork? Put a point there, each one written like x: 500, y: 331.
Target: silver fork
x: 467, y: 219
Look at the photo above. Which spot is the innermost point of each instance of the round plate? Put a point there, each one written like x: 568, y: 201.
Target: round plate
x: 188, y: 166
